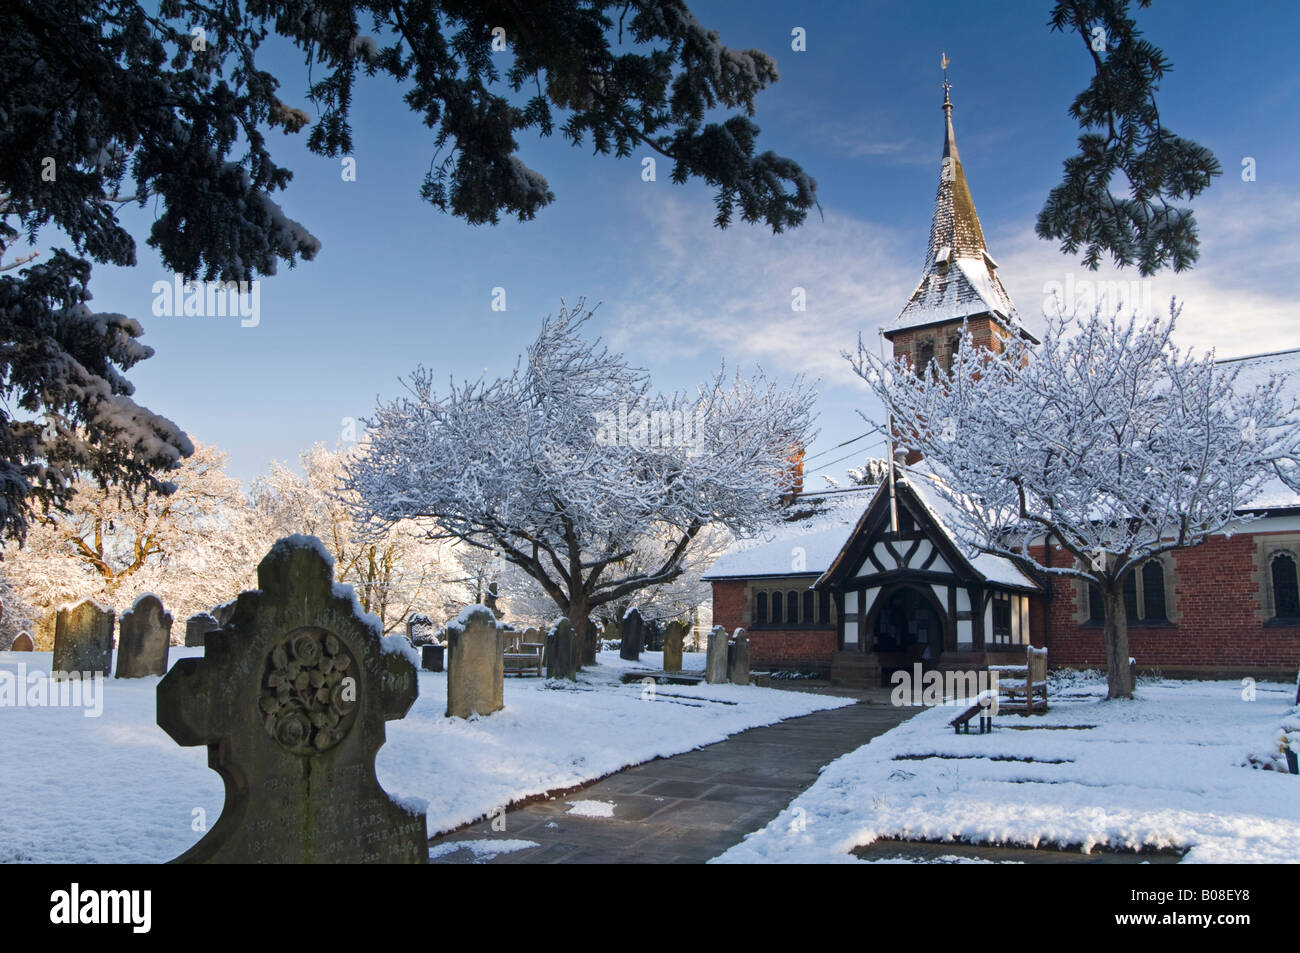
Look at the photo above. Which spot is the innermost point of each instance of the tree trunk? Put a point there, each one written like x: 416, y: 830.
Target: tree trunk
x: 1119, y: 675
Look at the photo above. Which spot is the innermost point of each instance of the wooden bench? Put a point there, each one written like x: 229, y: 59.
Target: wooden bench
x: 982, y: 707
x: 525, y: 659
x: 1023, y: 684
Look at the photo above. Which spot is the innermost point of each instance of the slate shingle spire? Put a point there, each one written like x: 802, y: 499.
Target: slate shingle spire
x: 959, y: 278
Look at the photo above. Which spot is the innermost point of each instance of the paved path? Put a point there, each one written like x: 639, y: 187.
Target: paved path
x: 690, y: 807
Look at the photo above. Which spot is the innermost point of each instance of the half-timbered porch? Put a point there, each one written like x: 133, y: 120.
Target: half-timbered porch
x: 914, y: 596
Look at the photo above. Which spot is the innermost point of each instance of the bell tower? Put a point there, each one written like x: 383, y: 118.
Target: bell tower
x: 959, y: 279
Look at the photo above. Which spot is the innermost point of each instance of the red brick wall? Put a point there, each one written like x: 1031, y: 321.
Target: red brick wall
x: 1218, y: 631
x: 772, y: 648
x: 729, y: 604
x: 792, y: 648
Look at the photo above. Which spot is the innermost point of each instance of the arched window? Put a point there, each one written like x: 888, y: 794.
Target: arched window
x: 778, y: 604
x: 1153, y: 592
x: 792, y: 608
x: 1286, y: 591
x: 808, y: 615
x: 760, y: 609
x: 1096, y: 611
x: 1131, y: 596
x: 924, y: 356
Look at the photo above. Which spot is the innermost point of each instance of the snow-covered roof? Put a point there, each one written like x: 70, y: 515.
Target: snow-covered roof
x: 996, y: 569
x: 959, y: 277
x: 1252, y: 371
x: 773, y: 553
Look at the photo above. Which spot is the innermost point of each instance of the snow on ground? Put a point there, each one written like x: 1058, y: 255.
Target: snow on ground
x: 482, y: 850
x: 591, y: 808
x: 1163, y: 770
x: 116, y: 788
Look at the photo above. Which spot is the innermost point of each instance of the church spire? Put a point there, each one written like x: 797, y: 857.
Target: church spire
x: 959, y: 277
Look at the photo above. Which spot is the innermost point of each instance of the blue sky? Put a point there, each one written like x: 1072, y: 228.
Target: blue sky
x: 398, y: 283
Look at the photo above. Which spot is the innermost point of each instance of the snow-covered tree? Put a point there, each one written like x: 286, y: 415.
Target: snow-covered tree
x: 193, y: 547
x: 1106, y: 440
x: 395, y: 571
x: 571, y: 462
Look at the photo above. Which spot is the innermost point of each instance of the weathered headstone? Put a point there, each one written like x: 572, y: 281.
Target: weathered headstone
x: 144, y: 633
x: 476, y: 668
x: 291, y: 699
x: 223, y: 612
x: 633, y: 633
x: 83, y: 638
x: 23, y: 643
x: 674, y: 639
x: 738, y: 659
x: 561, y: 650
x: 591, y: 644
x: 419, y: 629
x: 612, y: 633
x: 197, y: 628
x: 431, y: 657
x: 533, y: 636
x: 490, y: 600
x: 715, y: 667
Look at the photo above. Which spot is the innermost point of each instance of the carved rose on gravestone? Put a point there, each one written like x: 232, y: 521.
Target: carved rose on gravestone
x: 308, y: 698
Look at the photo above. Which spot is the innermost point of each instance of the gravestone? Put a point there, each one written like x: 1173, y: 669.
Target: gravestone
x: 715, y: 668
x: 633, y: 632
x: 591, y: 644
x: 291, y: 699
x: 431, y: 657
x: 738, y: 659
x: 23, y: 643
x: 419, y: 629
x: 490, y: 600
x: 614, y: 634
x: 83, y: 638
x: 533, y: 636
x: 561, y: 650
x: 144, y: 633
x: 476, y: 667
x: 674, y: 639
x: 197, y: 628
x: 223, y: 612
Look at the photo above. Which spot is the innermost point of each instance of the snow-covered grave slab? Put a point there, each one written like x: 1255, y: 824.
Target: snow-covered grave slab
x: 116, y: 789
x: 1166, y: 770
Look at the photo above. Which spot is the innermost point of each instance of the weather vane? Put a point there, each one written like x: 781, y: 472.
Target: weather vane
x: 943, y: 65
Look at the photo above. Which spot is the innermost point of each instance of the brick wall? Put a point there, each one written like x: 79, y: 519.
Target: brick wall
x: 802, y: 649
x: 1219, y: 629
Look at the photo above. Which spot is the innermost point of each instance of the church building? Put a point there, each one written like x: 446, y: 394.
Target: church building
x: 846, y: 595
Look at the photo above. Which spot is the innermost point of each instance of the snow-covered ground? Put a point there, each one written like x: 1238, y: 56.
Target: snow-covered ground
x: 1164, y: 770
x: 115, y: 788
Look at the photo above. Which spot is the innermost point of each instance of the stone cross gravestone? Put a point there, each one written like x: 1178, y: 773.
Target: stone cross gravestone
x: 196, y: 629
x: 476, y: 664
x: 674, y: 639
x: 291, y: 699
x: 633, y: 635
x: 738, y: 659
x: 83, y: 638
x: 715, y: 668
x: 23, y: 643
x: 144, y: 633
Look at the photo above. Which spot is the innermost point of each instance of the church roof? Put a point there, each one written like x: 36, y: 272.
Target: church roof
x: 771, y: 553
x: 1255, y: 370
x: 959, y: 277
